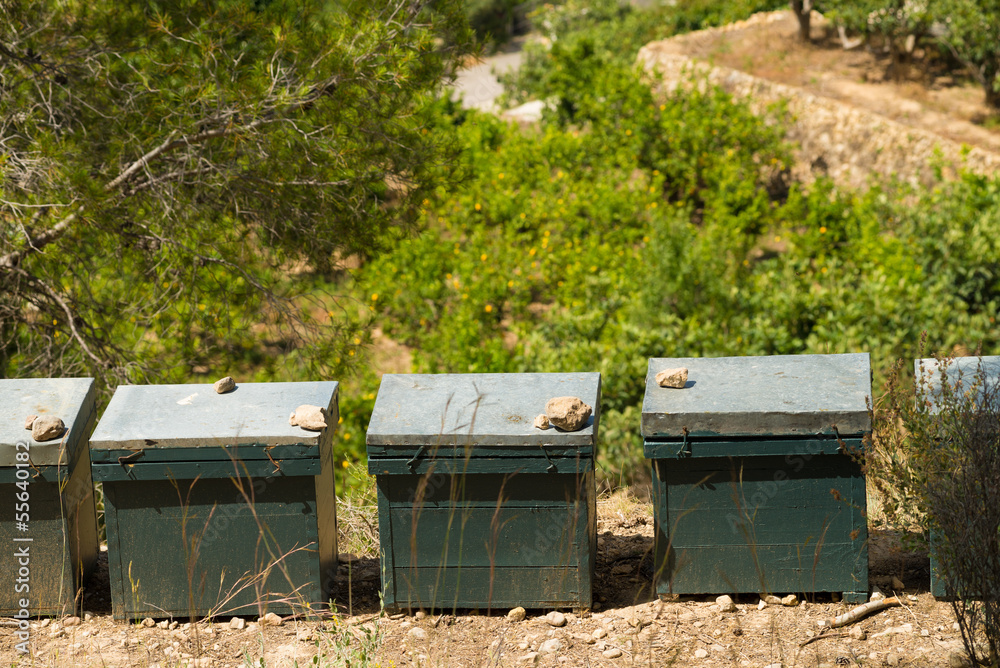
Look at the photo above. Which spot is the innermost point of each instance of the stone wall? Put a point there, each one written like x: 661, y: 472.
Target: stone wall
x: 845, y: 142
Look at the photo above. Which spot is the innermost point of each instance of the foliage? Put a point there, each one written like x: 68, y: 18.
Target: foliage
x: 583, y: 37
x: 628, y: 226
x: 972, y: 34
x: 940, y: 446
x: 896, y: 25
x: 179, y: 179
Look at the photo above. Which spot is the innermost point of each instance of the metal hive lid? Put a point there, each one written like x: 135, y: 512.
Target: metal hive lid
x: 153, y: 417
x: 777, y: 395
x: 960, y: 372
x: 71, y: 399
x: 478, y: 409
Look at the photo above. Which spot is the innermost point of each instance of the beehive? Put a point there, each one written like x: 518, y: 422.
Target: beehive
x: 214, y: 503
x: 478, y: 508
x: 755, y: 489
x: 47, y: 519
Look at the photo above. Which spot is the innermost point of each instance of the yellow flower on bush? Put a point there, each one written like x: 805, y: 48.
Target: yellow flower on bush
x: 483, y: 257
x: 822, y: 230
x: 374, y: 296
x: 488, y: 308
x: 479, y: 207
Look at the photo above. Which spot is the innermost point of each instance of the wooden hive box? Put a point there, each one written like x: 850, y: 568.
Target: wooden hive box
x: 478, y: 508
x: 48, y: 523
x: 214, y: 504
x: 961, y: 373
x: 754, y: 486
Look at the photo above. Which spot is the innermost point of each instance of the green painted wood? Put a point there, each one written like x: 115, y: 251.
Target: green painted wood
x: 694, y: 448
x: 483, y: 588
x: 478, y: 465
x: 62, y: 528
x: 469, y: 523
x: 243, y: 452
x: 745, y: 525
x: 179, y: 470
x: 445, y: 451
x: 196, y: 547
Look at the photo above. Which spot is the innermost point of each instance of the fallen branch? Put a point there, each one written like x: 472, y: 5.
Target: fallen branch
x: 862, y: 611
x: 821, y: 636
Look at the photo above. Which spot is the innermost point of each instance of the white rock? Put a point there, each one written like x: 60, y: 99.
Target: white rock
x: 71, y: 621
x: 676, y: 378
x: 790, y: 601
x: 550, y: 646
x: 417, y: 633
x: 516, y: 615
x: 148, y: 622
x: 271, y: 619
x: 556, y: 619
x: 857, y: 633
x: 725, y: 603
x: 46, y: 428
x: 771, y: 599
x: 224, y: 385
x: 542, y: 421
x: 28, y: 421
x: 877, y: 596
x: 761, y: 605
x: 612, y: 653
x: 700, y: 653
x: 568, y: 413
x: 237, y: 623
x: 312, y: 418
x: 600, y: 633
x: 924, y: 633
x: 420, y: 614
x: 530, y: 657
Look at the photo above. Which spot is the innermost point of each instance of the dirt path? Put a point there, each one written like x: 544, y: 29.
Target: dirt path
x: 628, y: 627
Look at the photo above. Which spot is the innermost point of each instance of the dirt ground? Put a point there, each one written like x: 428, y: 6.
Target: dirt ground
x: 927, y: 95
x: 627, y: 619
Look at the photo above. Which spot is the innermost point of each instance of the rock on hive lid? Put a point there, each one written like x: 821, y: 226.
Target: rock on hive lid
x: 70, y: 399
x: 478, y: 409
x: 778, y: 395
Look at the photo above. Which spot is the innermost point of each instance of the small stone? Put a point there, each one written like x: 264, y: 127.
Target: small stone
x: 568, y: 413
x: 725, y: 603
x: 857, y: 633
x: 924, y: 633
x: 897, y: 584
x: 87, y: 616
x: 417, y: 633
x: 550, y: 646
x: 172, y: 625
x: 271, y: 619
x: 396, y: 615
x: 148, y: 622
x: 163, y: 625
x: 57, y: 632
x: 224, y: 385
x: 877, y: 596
x: 600, y: 633
x: 312, y: 418
x: 761, y: 605
x: 892, y: 659
x: 701, y: 653
x: 771, y: 599
x: 516, y: 615
x: 237, y: 623
x: 612, y: 653
x: 542, y: 421
x: 419, y: 614
x: 790, y: 601
x: 676, y: 378
x: 911, y: 598
x: 71, y: 621
x: 46, y: 428
x: 556, y: 619
x: 28, y: 421
x: 530, y: 657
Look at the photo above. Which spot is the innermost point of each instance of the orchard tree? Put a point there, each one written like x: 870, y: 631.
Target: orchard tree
x: 971, y: 31
x: 175, y: 175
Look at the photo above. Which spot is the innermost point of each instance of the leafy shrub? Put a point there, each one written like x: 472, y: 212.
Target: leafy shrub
x: 940, y: 447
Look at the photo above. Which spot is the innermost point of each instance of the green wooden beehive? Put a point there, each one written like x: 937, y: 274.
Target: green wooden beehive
x: 478, y: 508
x: 48, y: 522
x: 962, y: 373
x: 755, y: 489
x: 214, y: 503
